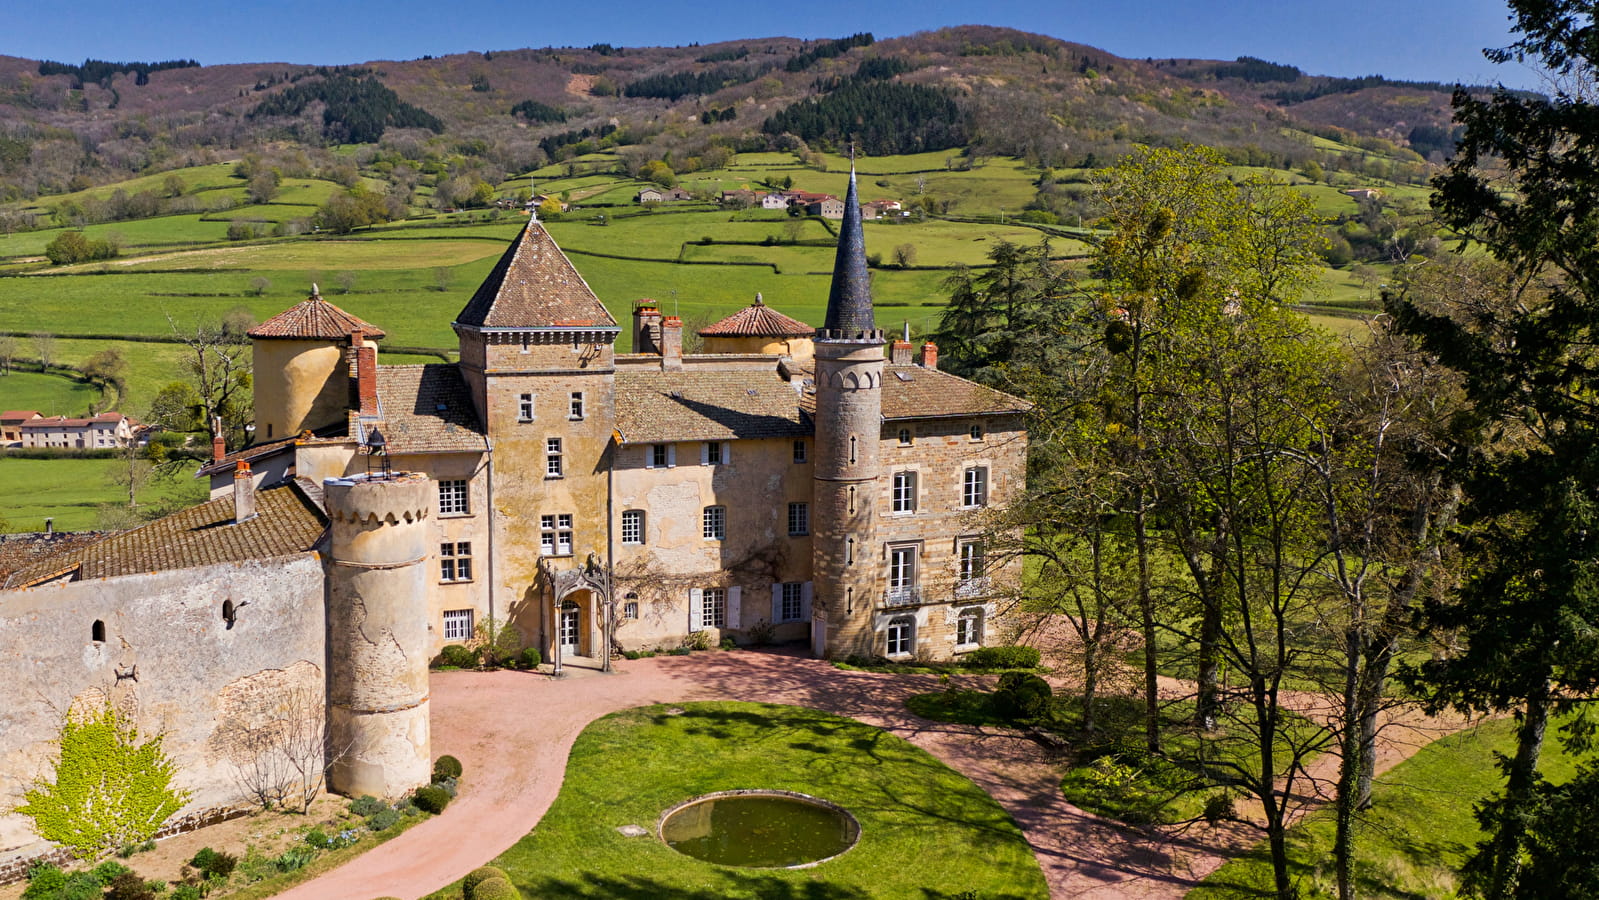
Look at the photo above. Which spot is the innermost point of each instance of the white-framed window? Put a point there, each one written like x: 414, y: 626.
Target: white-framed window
x: 800, y: 454
x: 715, y: 453
x: 969, y: 626
x: 715, y: 523
x: 799, y: 519
x: 904, y: 437
x: 452, y: 497
x: 458, y: 624
x: 791, y: 601
x: 904, y: 492
x: 974, y: 487
x: 632, y: 526
x: 713, y: 608
x: 630, y: 606
x: 661, y: 456
x: 524, y: 408
x: 575, y: 411
x: 971, y: 561
x: 976, y: 432
x: 455, y: 561
x: 555, y: 535
x: 552, y: 458
x: 901, y: 636
x: 902, y: 573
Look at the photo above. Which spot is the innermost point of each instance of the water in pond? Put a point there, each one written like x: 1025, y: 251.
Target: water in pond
x: 759, y: 830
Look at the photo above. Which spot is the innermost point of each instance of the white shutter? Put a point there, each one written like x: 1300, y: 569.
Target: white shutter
x: 733, y: 595
x: 671, y: 456
x: 696, y: 609
x: 777, y: 603
x: 705, y: 453
x: 805, y: 600
x: 649, y: 456
x: 727, y: 453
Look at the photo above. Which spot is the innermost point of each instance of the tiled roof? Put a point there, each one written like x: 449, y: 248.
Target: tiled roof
x: 19, y: 551
x: 534, y: 285
x: 700, y: 405
x: 912, y: 392
x: 110, y: 418
x: 314, y: 319
x: 758, y: 320
x: 286, y: 522
x: 18, y: 415
x: 427, y: 409
x: 334, y: 434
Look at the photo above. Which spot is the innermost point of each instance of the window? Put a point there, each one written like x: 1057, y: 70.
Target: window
x: 458, y: 624
x: 455, y: 561
x: 976, y: 432
x: 904, y: 437
x: 713, y: 608
x: 904, y: 492
x: 524, y: 408
x: 715, y: 523
x: 630, y: 606
x: 974, y: 487
x: 452, y: 497
x: 662, y: 456
x: 97, y: 632
x: 901, y: 636
x: 791, y: 601
x: 969, y: 626
x: 632, y: 526
x: 577, y: 406
x: 971, y: 561
x: 555, y: 535
x: 715, y: 453
x: 552, y: 458
x: 902, y: 574
x: 799, y: 519
x: 799, y: 451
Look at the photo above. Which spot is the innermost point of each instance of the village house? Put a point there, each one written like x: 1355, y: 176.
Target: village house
x: 102, y: 432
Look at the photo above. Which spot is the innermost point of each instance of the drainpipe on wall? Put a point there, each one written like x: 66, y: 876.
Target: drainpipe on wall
x: 610, y: 549
x: 488, y: 444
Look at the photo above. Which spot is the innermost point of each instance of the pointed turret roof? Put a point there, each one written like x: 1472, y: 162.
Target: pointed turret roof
x: 758, y: 320
x: 313, y: 319
x: 849, y: 303
x: 534, y: 285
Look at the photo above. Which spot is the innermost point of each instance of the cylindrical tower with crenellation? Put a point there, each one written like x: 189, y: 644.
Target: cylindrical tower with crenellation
x: 378, y: 738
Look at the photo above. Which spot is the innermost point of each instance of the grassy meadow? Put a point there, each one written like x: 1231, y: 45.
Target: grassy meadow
x: 50, y: 395
x: 73, y: 491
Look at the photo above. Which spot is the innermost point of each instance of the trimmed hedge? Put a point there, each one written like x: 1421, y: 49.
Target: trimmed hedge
x: 1002, y: 658
x: 458, y: 655
x: 1022, y: 696
x: 446, y: 767
x: 477, y: 876
x: 432, y: 799
x: 496, y: 889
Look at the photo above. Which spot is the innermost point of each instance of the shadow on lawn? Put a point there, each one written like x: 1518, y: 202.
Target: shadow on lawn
x: 733, y: 884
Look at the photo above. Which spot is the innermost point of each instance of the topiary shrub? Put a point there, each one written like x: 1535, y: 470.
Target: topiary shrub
x: 497, y: 889
x: 478, y: 876
x: 457, y: 655
x: 531, y: 657
x: 1022, y: 696
x: 448, y: 766
x: 432, y: 799
x: 367, y: 805
x: 1001, y: 658
x: 384, y: 820
x: 214, y: 863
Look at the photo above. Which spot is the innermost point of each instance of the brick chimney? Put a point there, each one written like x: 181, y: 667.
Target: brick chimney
x: 646, y: 327
x: 219, y: 447
x: 366, y: 374
x: 929, y: 358
x: 900, y: 353
x: 671, y: 343
x: 243, y: 493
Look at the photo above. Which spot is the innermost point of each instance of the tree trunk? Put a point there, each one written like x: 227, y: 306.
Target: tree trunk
x: 1523, y: 775
x: 1207, y: 680
x: 1351, y: 768
x: 1146, y: 612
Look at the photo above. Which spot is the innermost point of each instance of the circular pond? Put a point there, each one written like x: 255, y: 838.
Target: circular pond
x: 759, y: 829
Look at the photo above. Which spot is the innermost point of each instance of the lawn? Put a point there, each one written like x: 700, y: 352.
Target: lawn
x: 926, y: 831
x: 51, y: 395
x: 71, y: 491
x: 1417, y: 835
x: 157, y: 232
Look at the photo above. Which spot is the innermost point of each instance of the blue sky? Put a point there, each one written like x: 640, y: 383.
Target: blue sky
x: 1435, y: 40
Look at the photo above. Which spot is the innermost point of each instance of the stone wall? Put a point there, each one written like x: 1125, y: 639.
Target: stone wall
x: 168, y: 658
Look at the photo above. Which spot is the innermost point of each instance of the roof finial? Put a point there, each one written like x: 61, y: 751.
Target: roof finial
x: 532, y: 196
x: 759, y: 300
x: 314, y: 292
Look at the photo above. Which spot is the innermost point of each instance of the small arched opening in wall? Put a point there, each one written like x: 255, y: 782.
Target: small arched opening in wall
x: 230, y: 613
x: 97, y: 631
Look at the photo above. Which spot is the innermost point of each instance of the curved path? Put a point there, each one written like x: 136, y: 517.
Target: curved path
x: 513, y: 732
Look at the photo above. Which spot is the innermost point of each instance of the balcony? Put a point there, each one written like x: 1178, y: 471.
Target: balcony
x: 973, y: 587
x: 903, y: 596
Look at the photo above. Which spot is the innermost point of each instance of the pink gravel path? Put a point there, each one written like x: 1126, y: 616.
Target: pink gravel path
x: 513, y: 732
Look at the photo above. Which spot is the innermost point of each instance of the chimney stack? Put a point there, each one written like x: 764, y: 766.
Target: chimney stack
x: 671, y: 344
x: 366, y: 374
x: 219, y: 448
x: 929, y: 358
x: 646, y: 327
x: 243, y: 493
x: 900, y: 353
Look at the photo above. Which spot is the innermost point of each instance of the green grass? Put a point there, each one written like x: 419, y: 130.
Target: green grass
x: 926, y: 831
x: 1416, y: 837
x: 195, y: 178
x: 71, y: 491
x: 51, y: 395
x: 159, y: 231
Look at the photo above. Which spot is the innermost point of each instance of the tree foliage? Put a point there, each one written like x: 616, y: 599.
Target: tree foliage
x: 882, y: 117
x: 355, y: 110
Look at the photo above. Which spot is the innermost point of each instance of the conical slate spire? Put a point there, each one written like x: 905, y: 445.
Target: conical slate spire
x: 849, y: 303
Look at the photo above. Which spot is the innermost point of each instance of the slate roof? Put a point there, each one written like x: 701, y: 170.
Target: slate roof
x: 534, y: 285
x: 286, y: 522
x: 427, y: 409
x: 849, y: 300
x: 313, y: 319
x: 700, y: 405
x: 758, y: 320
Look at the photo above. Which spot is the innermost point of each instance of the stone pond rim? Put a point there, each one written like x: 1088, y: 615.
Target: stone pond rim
x: 851, y: 829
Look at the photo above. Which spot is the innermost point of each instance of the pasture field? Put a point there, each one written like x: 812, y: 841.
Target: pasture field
x: 195, y: 179
x: 51, y: 395
x: 71, y: 492
x: 193, y: 228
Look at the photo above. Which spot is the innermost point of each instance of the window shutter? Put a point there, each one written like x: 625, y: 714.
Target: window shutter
x: 705, y: 453
x: 671, y: 456
x: 649, y: 456
x: 777, y: 602
x: 727, y: 453
x: 733, y: 595
x: 805, y: 601
x: 696, y: 609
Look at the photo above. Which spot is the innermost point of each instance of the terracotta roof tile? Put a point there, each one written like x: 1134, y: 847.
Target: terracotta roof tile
x: 331, y: 434
x: 427, y: 409
x: 19, y: 551
x: 700, y: 405
x: 534, y: 285
x: 286, y: 522
x: 18, y: 415
x: 758, y: 320
x: 912, y: 392
x: 314, y: 319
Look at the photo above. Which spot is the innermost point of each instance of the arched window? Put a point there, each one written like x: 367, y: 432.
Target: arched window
x: 977, y: 432
x: 228, y: 612
x: 901, y: 636
x: 97, y: 632
x: 904, y: 437
x: 630, y: 606
x: 969, y: 626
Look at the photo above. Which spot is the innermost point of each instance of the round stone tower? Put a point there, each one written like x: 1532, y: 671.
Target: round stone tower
x: 301, y: 358
x: 378, y: 634
x: 849, y: 416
